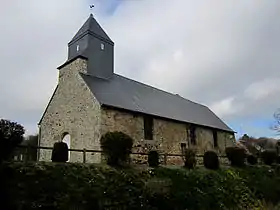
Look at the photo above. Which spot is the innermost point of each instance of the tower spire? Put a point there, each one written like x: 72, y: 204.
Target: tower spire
x: 92, y: 42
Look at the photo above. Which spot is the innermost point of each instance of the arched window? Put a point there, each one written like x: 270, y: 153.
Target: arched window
x: 66, y: 138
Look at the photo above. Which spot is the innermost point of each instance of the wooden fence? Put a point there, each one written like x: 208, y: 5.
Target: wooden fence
x: 23, y: 153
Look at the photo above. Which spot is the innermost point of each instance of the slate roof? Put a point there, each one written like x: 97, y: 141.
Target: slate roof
x: 93, y: 27
x: 124, y: 93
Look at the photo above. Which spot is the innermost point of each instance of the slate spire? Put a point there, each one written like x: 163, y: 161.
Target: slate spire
x: 91, y: 26
x: 92, y: 42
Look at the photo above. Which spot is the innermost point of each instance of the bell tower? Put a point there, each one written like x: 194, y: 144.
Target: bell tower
x: 92, y: 42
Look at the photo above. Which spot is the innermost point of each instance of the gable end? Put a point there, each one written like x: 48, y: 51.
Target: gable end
x: 39, y: 123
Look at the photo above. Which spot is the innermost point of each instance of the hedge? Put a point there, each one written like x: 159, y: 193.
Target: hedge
x: 85, y: 186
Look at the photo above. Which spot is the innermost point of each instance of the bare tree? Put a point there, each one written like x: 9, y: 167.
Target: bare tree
x: 276, y: 124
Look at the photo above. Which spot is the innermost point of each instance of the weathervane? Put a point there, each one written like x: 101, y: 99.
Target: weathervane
x: 91, y: 8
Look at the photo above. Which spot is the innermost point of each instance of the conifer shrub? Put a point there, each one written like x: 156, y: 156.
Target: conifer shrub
x: 60, y: 152
x: 252, y: 159
x: 190, y: 158
x: 269, y: 156
x: 278, y: 159
x: 236, y: 156
x: 211, y: 160
x: 116, y: 147
x: 153, y: 159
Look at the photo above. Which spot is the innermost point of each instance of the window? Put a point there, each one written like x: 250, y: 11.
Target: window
x: 102, y: 46
x: 215, y: 138
x: 183, y: 147
x: 192, y: 135
x: 148, y: 127
x: 78, y: 48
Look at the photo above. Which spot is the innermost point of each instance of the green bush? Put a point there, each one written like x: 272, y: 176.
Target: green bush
x: 116, y: 146
x: 251, y: 159
x: 86, y: 186
x: 236, y: 156
x: 278, y: 159
x: 153, y: 159
x: 190, y: 158
x: 211, y: 160
x: 72, y: 186
x: 263, y: 181
x: 269, y: 156
x: 60, y: 152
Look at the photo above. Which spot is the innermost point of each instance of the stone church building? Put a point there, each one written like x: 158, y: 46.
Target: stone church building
x: 90, y: 100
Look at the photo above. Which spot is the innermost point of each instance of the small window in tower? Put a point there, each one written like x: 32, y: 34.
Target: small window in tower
x: 78, y: 48
x: 102, y: 46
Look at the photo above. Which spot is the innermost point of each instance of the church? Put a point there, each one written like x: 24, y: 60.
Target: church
x: 91, y: 100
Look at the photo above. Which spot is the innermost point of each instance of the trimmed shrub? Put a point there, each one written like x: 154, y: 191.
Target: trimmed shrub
x: 236, y: 156
x: 278, y: 159
x: 60, y: 152
x: 153, y: 159
x: 251, y: 159
x: 211, y: 160
x: 269, y: 156
x: 190, y: 160
x: 116, y: 146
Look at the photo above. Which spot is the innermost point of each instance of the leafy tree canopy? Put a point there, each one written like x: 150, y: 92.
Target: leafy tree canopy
x: 11, y: 135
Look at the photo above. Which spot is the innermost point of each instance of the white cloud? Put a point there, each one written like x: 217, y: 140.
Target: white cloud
x: 256, y: 96
x: 34, y: 39
x: 222, y: 53
x: 224, y: 107
x: 262, y: 89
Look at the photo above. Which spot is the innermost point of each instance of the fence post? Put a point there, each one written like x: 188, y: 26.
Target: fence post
x: 25, y: 154
x: 84, y: 155
x: 165, y: 159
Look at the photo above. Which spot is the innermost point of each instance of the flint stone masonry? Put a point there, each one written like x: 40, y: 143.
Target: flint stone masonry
x: 168, y: 135
x: 73, y: 109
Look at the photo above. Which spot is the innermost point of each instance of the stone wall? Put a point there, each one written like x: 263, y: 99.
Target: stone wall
x: 205, y: 140
x: 73, y: 109
x: 168, y: 135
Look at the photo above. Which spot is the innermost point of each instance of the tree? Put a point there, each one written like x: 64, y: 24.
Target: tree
x: 30, y: 142
x: 257, y: 145
x: 278, y: 147
x: 276, y: 125
x: 11, y: 135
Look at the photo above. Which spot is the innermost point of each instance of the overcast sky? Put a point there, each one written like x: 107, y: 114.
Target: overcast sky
x: 221, y: 53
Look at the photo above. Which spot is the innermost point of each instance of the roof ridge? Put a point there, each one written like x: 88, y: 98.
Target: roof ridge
x: 150, y: 86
